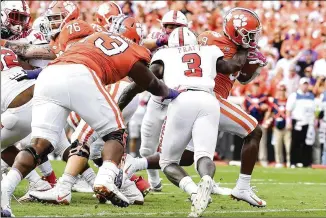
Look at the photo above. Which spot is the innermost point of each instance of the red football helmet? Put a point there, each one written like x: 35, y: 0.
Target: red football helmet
x: 59, y: 13
x: 242, y: 26
x: 128, y: 27
x: 106, y: 12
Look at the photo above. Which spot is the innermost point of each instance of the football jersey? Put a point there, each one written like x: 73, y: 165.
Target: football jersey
x: 72, y: 32
x: 189, y: 67
x: 224, y: 83
x: 111, y: 56
x: 98, y: 28
x: 10, y: 88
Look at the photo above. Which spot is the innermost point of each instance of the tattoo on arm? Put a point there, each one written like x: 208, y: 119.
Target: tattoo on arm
x: 29, y: 51
x: 128, y: 94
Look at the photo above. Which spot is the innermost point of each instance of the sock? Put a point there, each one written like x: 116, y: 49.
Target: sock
x: 243, y: 181
x: 46, y: 168
x: 141, y: 163
x: 68, y: 180
x: 188, y: 186
x: 153, y: 177
x: 89, y: 175
x: 52, y: 179
x: 133, y: 154
x: 11, y: 181
x: 33, y: 177
x: 4, y: 167
x: 108, y: 168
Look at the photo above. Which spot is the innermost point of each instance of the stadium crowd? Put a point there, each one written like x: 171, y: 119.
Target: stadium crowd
x: 293, y: 39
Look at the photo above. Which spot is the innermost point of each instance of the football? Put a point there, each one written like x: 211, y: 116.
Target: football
x: 247, y: 71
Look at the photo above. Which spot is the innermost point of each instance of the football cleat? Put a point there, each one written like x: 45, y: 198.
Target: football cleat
x: 201, y: 199
x: 130, y: 190
x: 81, y: 186
x: 142, y: 184
x: 158, y: 187
x: 130, y: 167
x: 5, y: 204
x: 104, y: 187
x: 59, y: 194
x: 39, y: 186
x: 248, y: 196
x: 217, y: 190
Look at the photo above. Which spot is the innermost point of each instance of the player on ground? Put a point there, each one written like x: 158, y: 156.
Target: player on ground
x: 87, y: 66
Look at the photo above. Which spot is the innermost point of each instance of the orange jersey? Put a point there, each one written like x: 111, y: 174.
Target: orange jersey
x: 72, y: 32
x: 223, y: 83
x: 110, y: 55
x: 98, y: 28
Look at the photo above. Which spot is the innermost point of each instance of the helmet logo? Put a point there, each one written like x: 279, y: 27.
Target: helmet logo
x: 139, y: 30
x: 69, y: 6
x: 104, y: 9
x: 239, y: 20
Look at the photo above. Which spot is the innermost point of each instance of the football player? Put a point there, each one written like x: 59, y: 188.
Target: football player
x: 78, y: 76
x: 105, y: 14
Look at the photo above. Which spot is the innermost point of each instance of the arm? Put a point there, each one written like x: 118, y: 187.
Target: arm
x: 232, y: 65
x: 134, y: 88
x: 152, y: 44
x: 29, y: 51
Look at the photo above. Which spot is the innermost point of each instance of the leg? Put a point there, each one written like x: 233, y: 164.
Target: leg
x: 278, y: 134
x: 262, y: 155
x: 287, y: 142
x: 295, y: 144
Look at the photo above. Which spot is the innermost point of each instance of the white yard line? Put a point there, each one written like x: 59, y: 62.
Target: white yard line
x: 108, y: 213
x: 266, y: 183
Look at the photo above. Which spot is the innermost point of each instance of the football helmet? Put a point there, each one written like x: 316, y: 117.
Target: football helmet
x: 59, y: 13
x: 182, y: 36
x: 106, y: 12
x: 242, y: 26
x: 42, y: 24
x: 173, y: 17
x: 15, y: 16
x: 128, y: 27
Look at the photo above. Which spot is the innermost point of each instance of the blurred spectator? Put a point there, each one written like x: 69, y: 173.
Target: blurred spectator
x: 319, y: 68
x: 256, y: 105
x: 322, y: 127
x: 292, y: 82
x: 300, y: 109
x: 280, y: 133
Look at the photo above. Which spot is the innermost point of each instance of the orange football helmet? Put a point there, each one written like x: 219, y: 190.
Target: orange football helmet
x: 207, y: 37
x: 106, y: 12
x: 242, y: 26
x: 59, y: 13
x: 128, y: 27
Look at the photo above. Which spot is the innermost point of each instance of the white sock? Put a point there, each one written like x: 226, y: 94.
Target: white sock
x: 46, y: 168
x: 89, y: 175
x: 68, y: 180
x: 243, y: 181
x: 141, y: 163
x: 11, y: 181
x: 108, y: 168
x: 33, y: 177
x: 153, y: 177
x: 4, y: 166
x: 188, y: 185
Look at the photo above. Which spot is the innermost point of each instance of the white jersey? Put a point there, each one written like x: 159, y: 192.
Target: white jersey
x: 11, y: 88
x: 189, y: 67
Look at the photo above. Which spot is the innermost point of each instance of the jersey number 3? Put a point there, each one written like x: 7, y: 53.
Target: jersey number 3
x: 194, y: 61
x: 117, y: 46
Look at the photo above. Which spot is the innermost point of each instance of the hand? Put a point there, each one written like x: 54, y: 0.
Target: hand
x: 173, y: 94
x: 264, y: 107
x: 256, y: 57
x: 162, y: 40
x: 19, y: 76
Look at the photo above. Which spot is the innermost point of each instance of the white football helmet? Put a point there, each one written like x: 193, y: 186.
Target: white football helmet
x: 175, y: 18
x: 182, y: 36
x: 15, y: 15
x: 42, y: 24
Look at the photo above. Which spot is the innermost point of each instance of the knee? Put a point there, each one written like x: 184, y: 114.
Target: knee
x: 164, y: 164
x: 145, y: 152
x: 256, y: 134
x: 119, y: 136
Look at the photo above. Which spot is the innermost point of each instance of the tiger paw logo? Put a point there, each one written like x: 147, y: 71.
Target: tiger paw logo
x: 69, y: 6
x: 239, y: 20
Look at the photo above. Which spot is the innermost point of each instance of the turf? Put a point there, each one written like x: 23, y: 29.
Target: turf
x: 288, y: 193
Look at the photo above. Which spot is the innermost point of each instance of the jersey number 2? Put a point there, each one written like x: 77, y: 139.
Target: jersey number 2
x: 194, y: 61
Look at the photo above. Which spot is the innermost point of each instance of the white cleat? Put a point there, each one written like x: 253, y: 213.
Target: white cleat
x: 157, y: 188
x: 130, y: 190
x: 201, y: 200
x: 40, y: 186
x: 59, y: 194
x: 130, y: 166
x: 5, y: 204
x: 104, y: 187
x: 82, y: 186
x: 217, y: 190
x: 248, y: 196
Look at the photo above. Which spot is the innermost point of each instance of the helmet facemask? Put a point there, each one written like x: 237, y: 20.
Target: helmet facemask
x: 249, y: 38
x: 55, y: 22
x: 17, y: 20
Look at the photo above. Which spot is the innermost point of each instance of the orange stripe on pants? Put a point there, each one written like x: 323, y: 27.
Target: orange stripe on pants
x: 236, y: 119
x: 113, y: 105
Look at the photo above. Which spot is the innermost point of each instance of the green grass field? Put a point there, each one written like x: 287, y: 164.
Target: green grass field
x: 288, y: 192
